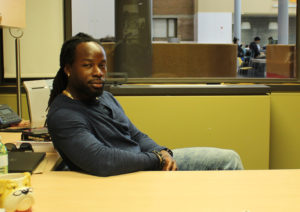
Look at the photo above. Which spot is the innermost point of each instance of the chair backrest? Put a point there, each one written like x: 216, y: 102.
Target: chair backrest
x: 38, y: 92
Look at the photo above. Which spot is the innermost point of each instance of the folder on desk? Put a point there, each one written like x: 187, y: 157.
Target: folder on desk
x: 24, y: 161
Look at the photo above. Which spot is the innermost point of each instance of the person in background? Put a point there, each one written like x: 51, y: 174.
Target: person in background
x: 255, y: 47
x: 92, y: 133
x: 240, y: 50
x: 247, y: 50
x: 271, y: 40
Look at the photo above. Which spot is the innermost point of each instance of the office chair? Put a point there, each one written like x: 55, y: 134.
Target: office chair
x: 38, y: 92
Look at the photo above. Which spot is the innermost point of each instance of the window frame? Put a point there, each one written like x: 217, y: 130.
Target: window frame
x: 217, y: 80
x: 68, y: 33
x: 167, y: 22
x: 236, y: 80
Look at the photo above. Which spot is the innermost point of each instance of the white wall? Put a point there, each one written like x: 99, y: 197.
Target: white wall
x: 213, y: 27
x: 95, y: 17
x: 41, y: 42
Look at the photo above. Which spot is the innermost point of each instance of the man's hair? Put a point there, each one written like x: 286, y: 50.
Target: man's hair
x: 235, y: 40
x: 67, y: 57
x: 256, y: 38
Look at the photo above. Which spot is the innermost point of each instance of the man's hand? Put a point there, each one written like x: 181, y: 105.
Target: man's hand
x: 170, y: 163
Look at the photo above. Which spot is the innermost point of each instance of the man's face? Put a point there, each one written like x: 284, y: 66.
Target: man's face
x: 87, y: 73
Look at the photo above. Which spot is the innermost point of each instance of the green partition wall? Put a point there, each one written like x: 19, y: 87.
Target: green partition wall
x: 241, y: 123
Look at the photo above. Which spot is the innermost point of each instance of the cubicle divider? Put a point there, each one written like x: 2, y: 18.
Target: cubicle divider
x: 186, y: 59
x: 281, y: 61
x: 241, y: 123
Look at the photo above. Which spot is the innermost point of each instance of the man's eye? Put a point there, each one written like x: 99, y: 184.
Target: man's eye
x: 87, y: 65
x: 102, y: 66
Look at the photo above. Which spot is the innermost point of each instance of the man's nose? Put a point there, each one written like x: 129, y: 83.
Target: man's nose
x: 98, y: 71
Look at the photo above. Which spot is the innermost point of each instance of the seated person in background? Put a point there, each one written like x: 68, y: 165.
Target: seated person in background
x: 255, y: 47
x: 240, y: 50
x: 92, y: 133
x: 271, y: 40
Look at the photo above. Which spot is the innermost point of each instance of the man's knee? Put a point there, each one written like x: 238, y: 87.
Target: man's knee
x: 207, y: 158
x: 232, y: 160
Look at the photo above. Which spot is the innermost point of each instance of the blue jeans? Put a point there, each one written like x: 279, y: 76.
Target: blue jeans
x: 206, y: 158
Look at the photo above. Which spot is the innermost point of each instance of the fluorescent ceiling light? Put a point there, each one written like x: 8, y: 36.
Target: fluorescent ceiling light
x: 246, y: 25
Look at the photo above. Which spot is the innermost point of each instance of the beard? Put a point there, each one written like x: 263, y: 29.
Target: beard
x: 87, y: 92
x: 95, y: 92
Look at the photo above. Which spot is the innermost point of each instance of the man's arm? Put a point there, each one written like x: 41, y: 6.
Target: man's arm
x: 145, y: 142
x: 148, y: 145
x: 71, y: 135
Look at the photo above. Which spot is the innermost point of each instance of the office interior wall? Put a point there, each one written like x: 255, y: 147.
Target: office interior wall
x: 214, y: 6
x: 94, y: 17
x: 182, y: 7
x: 182, y: 10
x: 266, y: 7
x: 41, y: 42
x: 217, y: 30
x: 235, y: 122
x: 254, y: 7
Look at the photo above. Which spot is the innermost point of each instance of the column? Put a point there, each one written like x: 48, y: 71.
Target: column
x: 133, y: 50
x: 283, y: 21
x: 237, y: 19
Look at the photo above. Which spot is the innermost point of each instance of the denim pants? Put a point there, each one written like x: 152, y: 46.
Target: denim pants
x: 206, y: 158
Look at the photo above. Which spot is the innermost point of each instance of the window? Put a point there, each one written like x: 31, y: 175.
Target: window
x: 191, y: 60
x: 164, y: 28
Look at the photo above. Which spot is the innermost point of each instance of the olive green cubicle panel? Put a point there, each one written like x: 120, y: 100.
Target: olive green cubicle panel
x: 285, y: 130
x: 241, y: 123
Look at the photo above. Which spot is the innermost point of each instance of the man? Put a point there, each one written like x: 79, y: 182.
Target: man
x: 91, y: 131
x: 255, y: 47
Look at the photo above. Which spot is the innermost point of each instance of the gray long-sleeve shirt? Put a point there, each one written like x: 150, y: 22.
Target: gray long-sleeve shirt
x: 98, y: 138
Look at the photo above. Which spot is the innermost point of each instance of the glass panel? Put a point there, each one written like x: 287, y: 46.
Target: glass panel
x: 160, y: 28
x: 261, y: 51
x: 171, y: 27
x: 275, y: 25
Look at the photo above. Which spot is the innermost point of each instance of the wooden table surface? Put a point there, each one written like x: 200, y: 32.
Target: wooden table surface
x: 220, y: 191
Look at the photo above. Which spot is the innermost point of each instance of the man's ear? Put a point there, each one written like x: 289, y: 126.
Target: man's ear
x: 67, y: 69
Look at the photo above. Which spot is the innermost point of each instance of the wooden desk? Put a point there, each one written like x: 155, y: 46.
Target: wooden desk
x: 220, y: 191
x: 10, y: 137
x: 46, y: 165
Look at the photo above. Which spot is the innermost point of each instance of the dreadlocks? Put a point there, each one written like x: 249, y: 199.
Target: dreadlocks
x: 67, y: 57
